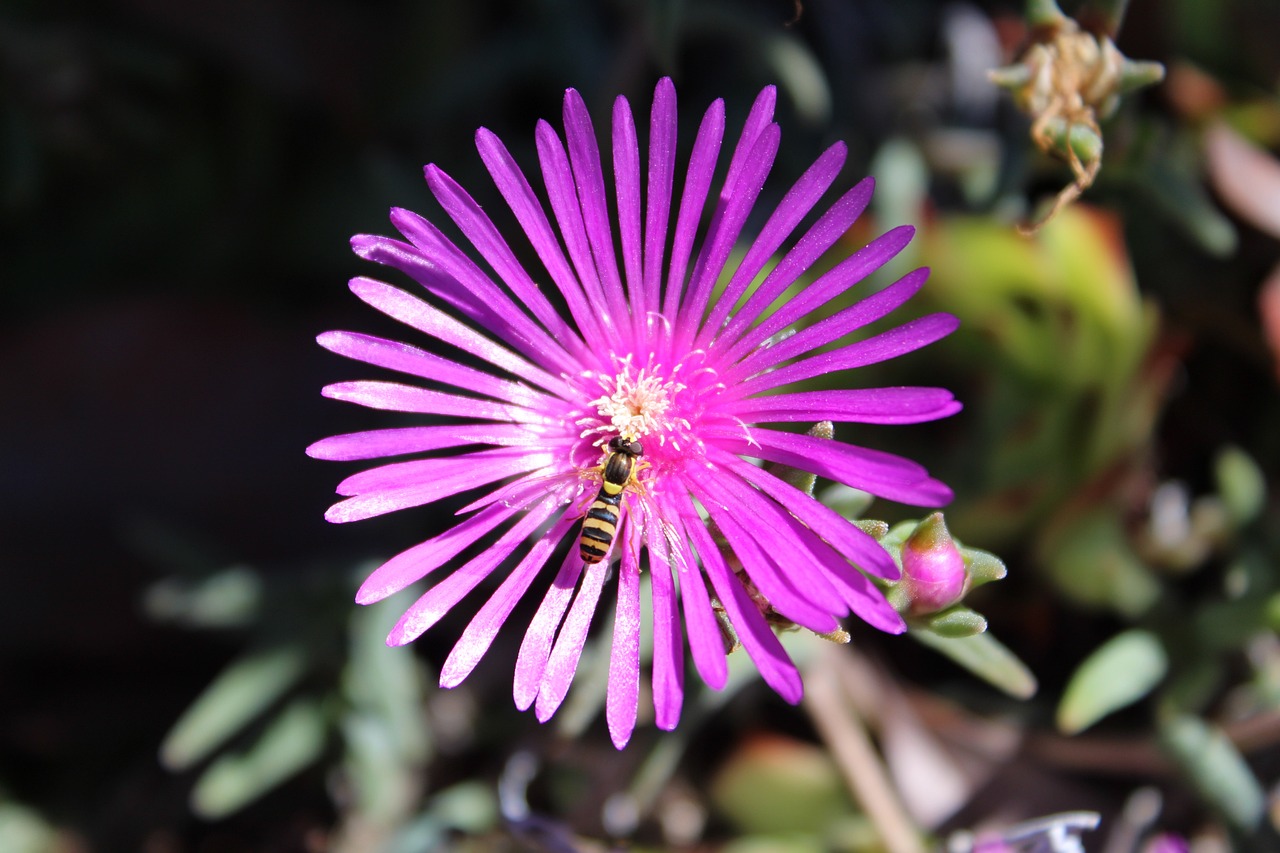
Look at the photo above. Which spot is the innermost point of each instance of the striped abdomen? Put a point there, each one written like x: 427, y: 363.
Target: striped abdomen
x: 601, y: 523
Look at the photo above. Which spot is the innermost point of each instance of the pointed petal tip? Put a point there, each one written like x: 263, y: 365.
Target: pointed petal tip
x: 716, y: 678
x: 544, y: 710
x: 621, y: 735
x: 402, y: 635
x: 791, y: 692
x: 933, y: 493
x: 370, y: 594
x: 523, y: 699
x: 338, y: 514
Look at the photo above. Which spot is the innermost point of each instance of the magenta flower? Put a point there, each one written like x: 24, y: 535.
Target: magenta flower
x: 648, y: 349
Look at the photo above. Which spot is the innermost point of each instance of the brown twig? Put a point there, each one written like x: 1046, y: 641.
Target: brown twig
x: 835, y: 717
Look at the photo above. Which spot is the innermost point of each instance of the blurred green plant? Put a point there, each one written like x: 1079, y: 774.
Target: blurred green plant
x: 299, y: 698
x: 25, y: 830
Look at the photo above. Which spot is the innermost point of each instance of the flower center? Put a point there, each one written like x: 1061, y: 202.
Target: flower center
x: 638, y: 404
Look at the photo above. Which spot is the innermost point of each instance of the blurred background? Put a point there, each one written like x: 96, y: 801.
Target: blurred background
x: 181, y: 666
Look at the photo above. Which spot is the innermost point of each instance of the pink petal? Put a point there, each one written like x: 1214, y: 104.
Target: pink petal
x: 507, y: 319
x: 891, y: 344
x: 856, y: 405
x: 830, y: 227
x: 626, y: 169
x: 702, y: 164
x: 557, y: 175
x: 830, y: 285
x: 394, y: 397
x: 722, y: 234
x: 668, y: 648
x: 755, y: 529
x: 662, y: 153
x: 484, y: 626
x: 410, y: 260
x: 750, y: 164
x: 416, y: 563
x: 441, y: 598
x: 402, y: 440
x: 520, y: 197
x: 847, y: 539
x: 443, y: 471
x: 759, y: 118
x: 623, y: 698
x: 482, y: 233
x: 381, y: 500
x: 757, y: 637
x: 795, y: 205
x: 394, y: 355
x: 531, y: 663
x: 584, y: 157
x: 429, y: 320
x: 565, y: 485
x: 851, y: 586
x: 705, y: 639
x: 882, y: 474
x: 567, y: 650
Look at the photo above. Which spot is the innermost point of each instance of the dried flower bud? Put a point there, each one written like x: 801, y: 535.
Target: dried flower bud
x: 1068, y: 80
x: 933, y: 571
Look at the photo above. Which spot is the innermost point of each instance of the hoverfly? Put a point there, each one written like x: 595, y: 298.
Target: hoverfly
x: 601, y: 524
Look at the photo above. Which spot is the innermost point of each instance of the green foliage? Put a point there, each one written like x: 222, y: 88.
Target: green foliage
x: 986, y: 657
x: 1216, y: 768
x: 777, y: 787
x: 291, y: 742
x: 239, y: 695
x: 1118, y: 673
x: 24, y: 830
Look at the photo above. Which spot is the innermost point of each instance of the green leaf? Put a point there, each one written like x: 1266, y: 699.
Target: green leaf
x: 231, y: 598
x: 1092, y: 563
x: 1215, y: 768
x: 467, y: 806
x: 387, y: 683
x: 1241, y: 485
x: 957, y: 621
x: 773, y: 785
x: 987, y: 658
x: 23, y: 830
x: 983, y: 566
x: 240, y: 693
x: 1118, y: 673
x: 291, y: 742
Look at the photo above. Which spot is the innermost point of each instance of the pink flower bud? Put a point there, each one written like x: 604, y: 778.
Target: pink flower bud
x: 933, y: 572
